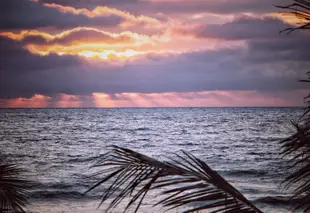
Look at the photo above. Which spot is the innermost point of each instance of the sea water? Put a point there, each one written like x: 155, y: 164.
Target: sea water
x: 59, y: 146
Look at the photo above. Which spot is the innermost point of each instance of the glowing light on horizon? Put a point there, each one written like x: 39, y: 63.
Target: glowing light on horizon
x: 167, y: 99
x: 66, y: 101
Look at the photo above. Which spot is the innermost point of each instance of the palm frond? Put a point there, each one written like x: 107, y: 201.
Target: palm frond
x: 297, y: 148
x: 301, y: 10
x: 184, y: 180
x: 13, y: 188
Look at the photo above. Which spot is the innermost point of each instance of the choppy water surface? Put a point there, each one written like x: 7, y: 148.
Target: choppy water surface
x: 59, y: 145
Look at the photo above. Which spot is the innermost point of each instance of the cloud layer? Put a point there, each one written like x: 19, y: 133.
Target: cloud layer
x: 180, y: 6
x: 67, y: 53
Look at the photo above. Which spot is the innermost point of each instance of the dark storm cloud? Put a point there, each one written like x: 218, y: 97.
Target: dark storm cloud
x: 24, y: 74
x: 26, y: 14
x: 296, y: 41
x: 293, y: 49
x: 20, y: 70
x: 262, y: 35
x: 15, y: 58
x: 181, y: 6
x: 243, y: 28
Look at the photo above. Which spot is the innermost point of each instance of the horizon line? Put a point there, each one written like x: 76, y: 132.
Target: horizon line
x: 155, y: 107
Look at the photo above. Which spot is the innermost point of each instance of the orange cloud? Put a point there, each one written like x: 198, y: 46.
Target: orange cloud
x: 94, y: 43
x: 76, y: 36
x: 84, y: 41
x: 82, y: 34
x: 289, y: 18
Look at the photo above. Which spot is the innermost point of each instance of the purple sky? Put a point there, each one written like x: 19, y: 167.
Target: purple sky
x: 150, y: 53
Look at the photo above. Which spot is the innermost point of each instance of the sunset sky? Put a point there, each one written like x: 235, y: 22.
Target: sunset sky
x: 150, y: 53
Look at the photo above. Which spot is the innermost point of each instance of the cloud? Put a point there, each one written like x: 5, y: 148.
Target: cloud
x: 25, y: 14
x: 103, y: 11
x: 181, y: 6
x: 16, y: 58
x: 84, y: 41
x: 90, y: 4
x: 172, y: 99
x: 286, y: 49
x: 19, y: 69
x: 198, y: 99
x: 36, y: 101
x: 52, y: 53
x: 74, y: 36
x: 261, y: 35
x: 24, y: 74
x: 241, y: 28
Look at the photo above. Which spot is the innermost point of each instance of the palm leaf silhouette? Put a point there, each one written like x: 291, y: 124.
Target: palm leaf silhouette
x: 184, y: 180
x: 13, y: 188
x: 297, y: 147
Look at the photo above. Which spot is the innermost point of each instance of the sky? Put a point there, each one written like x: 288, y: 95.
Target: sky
x: 150, y: 53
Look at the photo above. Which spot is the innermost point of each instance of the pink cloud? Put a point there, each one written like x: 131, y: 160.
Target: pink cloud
x: 68, y: 101
x: 170, y: 99
x: 36, y: 101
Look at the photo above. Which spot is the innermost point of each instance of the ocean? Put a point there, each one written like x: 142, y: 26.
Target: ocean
x: 59, y: 146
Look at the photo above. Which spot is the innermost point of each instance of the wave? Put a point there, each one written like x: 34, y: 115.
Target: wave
x: 168, y: 118
x: 260, y: 153
x: 142, y: 129
x: 277, y: 200
x: 61, y: 195
x: 56, y: 194
x: 114, y: 129
x: 62, y: 191
x: 18, y: 156
x: 82, y: 160
x: 77, y: 159
x: 245, y: 172
x: 144, y: 139
x: 124, y: 129
x: 64, y: 186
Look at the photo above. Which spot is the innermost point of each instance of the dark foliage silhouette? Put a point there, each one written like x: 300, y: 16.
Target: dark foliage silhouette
x: 184, y: 180
x: 14, y: 188
x: 297, y: 147
x: 301, y: 9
